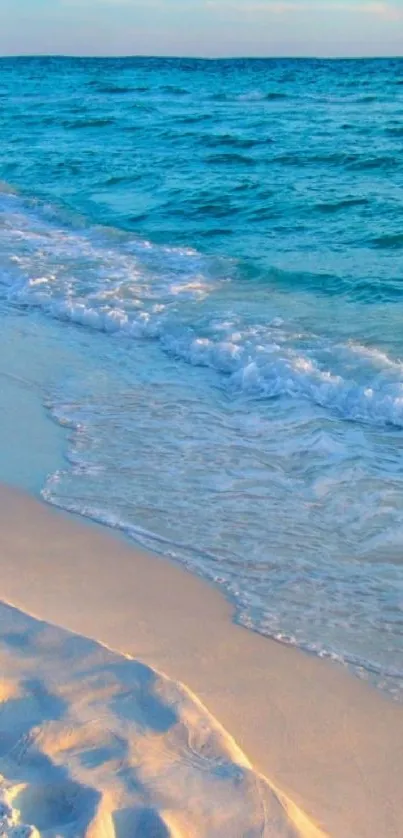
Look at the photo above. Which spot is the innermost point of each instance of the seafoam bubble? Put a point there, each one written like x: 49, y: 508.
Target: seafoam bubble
x: 140, y: 290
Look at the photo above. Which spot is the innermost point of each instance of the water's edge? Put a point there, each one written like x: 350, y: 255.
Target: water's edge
x: 200, y: 276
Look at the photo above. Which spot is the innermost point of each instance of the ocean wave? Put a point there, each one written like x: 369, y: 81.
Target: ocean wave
x: 366, y: 99
x: 231, y: 158
x: 97, y: 122
x: 142, y: 291
x: 348, y: 160
x: 260, y: 371
x: 395, y: 130
x: 219, y: 97
x: 388, y: 241
x: 174, y: 90
x: 263, y: 96
x: 251, y: 96
x: 263, y: 371
x: 341, y: 204
x: 366, y: 290
x: 274, y: 96
x: 233, y: 141
x: 114, y: 89
x: 377, y: 161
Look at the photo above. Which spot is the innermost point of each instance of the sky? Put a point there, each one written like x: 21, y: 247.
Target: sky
x: 208, y: 28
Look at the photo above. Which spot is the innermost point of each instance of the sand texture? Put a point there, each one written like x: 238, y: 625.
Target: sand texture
x: 95, y: 744
x: 239, y: 737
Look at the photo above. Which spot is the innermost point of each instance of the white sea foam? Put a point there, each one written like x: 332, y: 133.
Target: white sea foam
x: 171, y: 295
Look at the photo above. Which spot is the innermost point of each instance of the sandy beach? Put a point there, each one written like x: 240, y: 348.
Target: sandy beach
x: 159, y: 716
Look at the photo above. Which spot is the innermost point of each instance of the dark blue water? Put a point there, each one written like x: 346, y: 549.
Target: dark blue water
x: 215, y: 247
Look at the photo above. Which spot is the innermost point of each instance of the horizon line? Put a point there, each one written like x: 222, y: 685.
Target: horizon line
x: 178, y: 57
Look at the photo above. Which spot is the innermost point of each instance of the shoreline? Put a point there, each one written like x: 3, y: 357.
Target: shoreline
x: 330, y: 743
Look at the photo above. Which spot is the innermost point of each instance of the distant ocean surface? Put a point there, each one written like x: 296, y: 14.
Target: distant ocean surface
x: 210, y: 254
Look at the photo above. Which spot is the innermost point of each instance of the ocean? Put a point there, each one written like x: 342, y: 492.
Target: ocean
x: 201, y: 276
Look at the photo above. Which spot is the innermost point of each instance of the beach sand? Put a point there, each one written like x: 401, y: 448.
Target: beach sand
x: 191, y: 726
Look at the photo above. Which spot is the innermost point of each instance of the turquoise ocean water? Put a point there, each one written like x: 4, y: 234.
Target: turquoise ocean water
x: 201, y: 273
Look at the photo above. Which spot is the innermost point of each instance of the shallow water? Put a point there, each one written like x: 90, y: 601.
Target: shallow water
x: 210, y: 257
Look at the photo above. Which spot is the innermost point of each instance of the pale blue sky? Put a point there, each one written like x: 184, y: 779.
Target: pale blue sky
x: 202, y: 27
